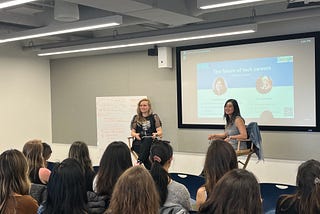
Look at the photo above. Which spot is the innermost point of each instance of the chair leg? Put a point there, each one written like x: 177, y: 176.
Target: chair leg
x: 247, y: 161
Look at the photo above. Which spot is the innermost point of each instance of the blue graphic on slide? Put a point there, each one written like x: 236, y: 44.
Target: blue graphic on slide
x: 263, y: 87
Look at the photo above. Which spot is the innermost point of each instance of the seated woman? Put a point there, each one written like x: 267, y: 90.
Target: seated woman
x: 66, y: 190
x: 145, y: 127
x: 220, y: 159
x: 307, y: 197
x: 79, y: 151
x: 237, y: 192
x: 134, y: 192
x: 235, y: 128
x: 170, y: 191
x: 15, y: 183
x: 114, y: 161
x: 38, y: 173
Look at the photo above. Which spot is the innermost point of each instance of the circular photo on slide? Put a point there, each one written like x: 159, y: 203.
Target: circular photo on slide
x: 219, y: 86
x: 264, y: 84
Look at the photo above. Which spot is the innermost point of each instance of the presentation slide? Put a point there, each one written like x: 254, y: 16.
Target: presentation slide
x: 273, y: 82
x: 256, y: 80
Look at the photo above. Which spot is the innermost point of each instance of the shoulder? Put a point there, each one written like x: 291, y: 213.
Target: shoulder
x: 239, y: 120
x: 27, y: 202
x: 177, y: 186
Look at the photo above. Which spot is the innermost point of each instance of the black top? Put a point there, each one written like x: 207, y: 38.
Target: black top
x: 147, y: 127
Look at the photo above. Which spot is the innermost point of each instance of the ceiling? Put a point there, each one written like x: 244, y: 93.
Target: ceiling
x: 144, y: 18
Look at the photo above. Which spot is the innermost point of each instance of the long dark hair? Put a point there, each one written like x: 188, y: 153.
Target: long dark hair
x: 308, y: 189
x: 236, y: 112
x: 220, y: 159
x: 237, y: 192
x: 114, y: 161
x: 160, y: 153
x: 66, y: 189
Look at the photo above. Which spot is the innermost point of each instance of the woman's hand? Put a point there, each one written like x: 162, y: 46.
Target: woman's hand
x: 137, y: 136
x: 154, y: 135
x: 211, y: 137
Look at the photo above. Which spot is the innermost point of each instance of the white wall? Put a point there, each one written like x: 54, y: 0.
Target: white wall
x: 24, y: 98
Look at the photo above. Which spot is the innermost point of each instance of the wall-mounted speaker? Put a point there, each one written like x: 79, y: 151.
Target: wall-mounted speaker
x: 164, y: 57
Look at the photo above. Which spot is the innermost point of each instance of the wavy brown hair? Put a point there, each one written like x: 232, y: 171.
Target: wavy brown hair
x: 79, y: 151
x: 13, y: 176
x: 33, y: 151
x: 237, y: 192
x: 134, y: 192
x: 220, y: 159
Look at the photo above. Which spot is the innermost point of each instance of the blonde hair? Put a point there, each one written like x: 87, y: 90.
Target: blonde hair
x: 13, y: 176
x: 135, y: 192
x: 140, y: 118
x: 33, y: 150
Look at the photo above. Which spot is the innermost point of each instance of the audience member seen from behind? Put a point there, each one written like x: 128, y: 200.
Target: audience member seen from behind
x: 46, y: 152
x: 15, y: 184
x: 307, y: 197
x: 172, y: 194
x: 33, y: 151
x: 145, y: 127
x: 114, y: 161
x: 66, y: 190
x: 237, y: 192
x: 235, y: 128
x: 220, y: 159
x: 79, y: 151
x: 135, y: 192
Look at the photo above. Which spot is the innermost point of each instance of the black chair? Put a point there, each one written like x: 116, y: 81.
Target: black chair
x: 192, y: 182
x: 270, y: 193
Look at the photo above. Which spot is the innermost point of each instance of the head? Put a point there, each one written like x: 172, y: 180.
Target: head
x: 231, y: 110
x: 66, y: 188
x: 220, y: 86
x: 144, y: 106
x: 220, y: 159
x: 135, y: 192
x: 161, y: 156
x: 13, y: 176
x: 33, y: 151
x: 114, y: 161
x: 79, y: 151
x: 46, y: 151
x: 308, y: 185
x: 237, y: 192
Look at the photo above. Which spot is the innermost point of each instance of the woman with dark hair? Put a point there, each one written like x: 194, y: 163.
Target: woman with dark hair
x: 66, y: 190
x: 237, y: 192
x: 307, y: 197
x: 145, y: 127
x: 170, y: 191
x: 79, y: 151
x: 38, y: 173
x: 220, y: 159
x: 235, y: 128
x: 15, y: 184
x: 115, y: 160
x: 46, y: 152
x: 134, y: 192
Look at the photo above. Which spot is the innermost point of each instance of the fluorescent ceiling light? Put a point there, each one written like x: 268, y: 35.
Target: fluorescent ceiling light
x: 192, y: 35
x: 13, y: 3
x: 63, y: 28
x: 210, y: 4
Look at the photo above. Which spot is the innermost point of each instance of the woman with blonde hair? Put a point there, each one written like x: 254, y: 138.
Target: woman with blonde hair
x: 145, y: 127
x: 134, y: 192
x: 15, y: 184
x: 79, y: 151
x: 38, y: 173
